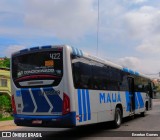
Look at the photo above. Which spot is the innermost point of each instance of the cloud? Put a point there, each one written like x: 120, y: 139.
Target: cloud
x: 12, y: 48
x: 146, y: 66
x: 143, y: 22
x: 138, y: 1
x: 61, y: 18
x: 150, y: 46
x: 130, y: 62
x: 126, y: 27
x: 53, y: 18
x: 143, y: 25
x: 110, y: 22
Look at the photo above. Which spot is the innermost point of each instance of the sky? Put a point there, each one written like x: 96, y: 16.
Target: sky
x: 128, y: 31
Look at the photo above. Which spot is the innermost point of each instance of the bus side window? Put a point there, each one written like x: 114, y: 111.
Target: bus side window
x: 81, y: 74
x: 76, y: 74
x: 124, y: 82
x: 85, y: 72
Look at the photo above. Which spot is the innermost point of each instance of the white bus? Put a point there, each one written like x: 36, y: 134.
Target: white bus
x: 61, y: 86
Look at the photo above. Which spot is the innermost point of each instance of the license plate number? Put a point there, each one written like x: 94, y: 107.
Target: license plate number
x: 37, y: 122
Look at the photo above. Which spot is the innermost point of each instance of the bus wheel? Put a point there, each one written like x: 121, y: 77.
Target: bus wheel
x: 143, y: 113
x: 117, y: 118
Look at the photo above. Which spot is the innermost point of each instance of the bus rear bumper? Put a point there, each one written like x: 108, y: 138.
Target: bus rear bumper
x: 68, y: 120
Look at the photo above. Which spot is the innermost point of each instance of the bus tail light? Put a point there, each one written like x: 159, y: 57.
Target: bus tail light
x: 13, y: 105
x: 66, y: 104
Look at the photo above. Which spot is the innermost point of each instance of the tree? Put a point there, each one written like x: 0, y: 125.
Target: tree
x: 5, y: 63
x: 158, y: 88
x: 5, y: 103
x: 1, y: 63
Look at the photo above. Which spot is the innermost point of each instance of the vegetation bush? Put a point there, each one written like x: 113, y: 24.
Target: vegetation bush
x: 5, y: 104
x: 5, y: 63
x: 0, y: 116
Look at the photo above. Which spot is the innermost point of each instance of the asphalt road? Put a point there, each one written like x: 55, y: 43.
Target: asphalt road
x: 151, y: 123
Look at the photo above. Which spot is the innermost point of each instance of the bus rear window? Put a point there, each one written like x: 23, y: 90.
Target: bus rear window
x: 46, y: 65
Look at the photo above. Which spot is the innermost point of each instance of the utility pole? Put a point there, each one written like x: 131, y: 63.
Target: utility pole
x: 97, y: 28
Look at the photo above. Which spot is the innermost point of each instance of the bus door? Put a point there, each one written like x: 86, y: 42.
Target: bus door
x: 150, y: 93
x: 131, y: 94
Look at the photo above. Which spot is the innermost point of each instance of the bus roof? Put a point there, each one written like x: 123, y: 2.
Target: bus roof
x: 78, y: 52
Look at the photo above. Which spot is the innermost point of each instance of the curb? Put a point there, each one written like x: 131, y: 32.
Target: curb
x: 156, y: 100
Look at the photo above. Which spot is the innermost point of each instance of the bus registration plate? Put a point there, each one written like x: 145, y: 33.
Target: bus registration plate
x: 37, y: 122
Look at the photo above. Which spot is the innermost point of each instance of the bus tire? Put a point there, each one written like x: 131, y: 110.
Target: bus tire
x: 143, y: 114
x: 117, y: 118
x: 18, y: 124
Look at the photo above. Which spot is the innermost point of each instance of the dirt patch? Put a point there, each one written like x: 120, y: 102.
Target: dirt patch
x: 9, y: 127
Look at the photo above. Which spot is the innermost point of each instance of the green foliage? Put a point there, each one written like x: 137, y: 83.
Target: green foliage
x: 5, y: 119
x: 5, y: 103
x: 158, y: 88
x: 5, y: 63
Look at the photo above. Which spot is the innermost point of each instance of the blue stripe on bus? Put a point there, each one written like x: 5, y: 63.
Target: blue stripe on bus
x: 41, y: 102
x: 136, y: 101
x: 84, y: 104
x: 88, y: 105
x: 24, y: 50
x: 34, y: 48
x: 136, y: 73
x: 80, y: 105
x: 73, y: 51
x: 128, y: 101
x: 131, y: 71
x: 54, y: 99
x: 18, y: 93
x: 125, y: 70
x: 46, y: 47
x: 77, y: 52
x: 28, y: 105
x: 81, y: 53
x: 141, y: 103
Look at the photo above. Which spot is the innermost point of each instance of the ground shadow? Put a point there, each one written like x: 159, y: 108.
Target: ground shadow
x: 94, y: 130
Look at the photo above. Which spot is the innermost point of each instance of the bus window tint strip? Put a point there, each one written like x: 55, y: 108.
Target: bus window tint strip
x: 89, y: 74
